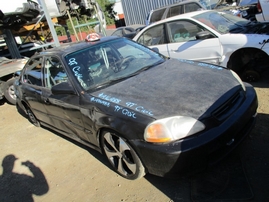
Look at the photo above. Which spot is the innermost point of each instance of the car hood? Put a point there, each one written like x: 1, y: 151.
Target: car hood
x: 252, y: 28
x: 173, y: 88
x: 231, y: 42
x: 9, y: 66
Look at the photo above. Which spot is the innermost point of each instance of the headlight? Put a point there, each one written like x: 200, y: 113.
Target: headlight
x: 172, y: 128
x: 238, y: 79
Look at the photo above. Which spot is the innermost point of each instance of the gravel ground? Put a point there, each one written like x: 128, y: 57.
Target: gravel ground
x: 66, y: 171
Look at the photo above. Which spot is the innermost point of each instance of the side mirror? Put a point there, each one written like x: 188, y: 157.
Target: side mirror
x: 62, y: 88
x: 155, y: 49
x: 204, y: 35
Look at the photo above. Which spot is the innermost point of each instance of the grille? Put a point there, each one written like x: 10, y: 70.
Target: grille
x: 227, y: 109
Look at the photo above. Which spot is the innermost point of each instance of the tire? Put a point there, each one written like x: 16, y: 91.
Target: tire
x: 9, y: 91
x: 32, y: 117
x: 122, y: 156
x: 249, y: 64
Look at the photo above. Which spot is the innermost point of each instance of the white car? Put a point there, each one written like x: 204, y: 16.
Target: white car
x: 18, y: 12
x: 20, y: 7
x: 213, y: 37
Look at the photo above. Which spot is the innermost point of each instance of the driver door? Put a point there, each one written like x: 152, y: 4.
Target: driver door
x: 63, y: 109
x: 183, y: 43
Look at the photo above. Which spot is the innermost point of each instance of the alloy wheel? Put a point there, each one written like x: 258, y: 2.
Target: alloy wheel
x: 11, y: 92
x: 122, y: 157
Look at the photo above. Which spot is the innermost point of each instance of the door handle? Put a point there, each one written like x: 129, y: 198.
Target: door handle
x: 175, y: 51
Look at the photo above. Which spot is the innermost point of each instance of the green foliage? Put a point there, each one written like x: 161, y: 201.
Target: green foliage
x: 107, y: 9
x: 76, y: 21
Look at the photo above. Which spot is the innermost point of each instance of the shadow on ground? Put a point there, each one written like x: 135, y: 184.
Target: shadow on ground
x: 18, y: 186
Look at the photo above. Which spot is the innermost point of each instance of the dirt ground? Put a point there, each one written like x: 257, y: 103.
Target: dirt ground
x: 65, y: 171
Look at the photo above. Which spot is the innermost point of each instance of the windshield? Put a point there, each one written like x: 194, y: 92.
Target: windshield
x: 103, y: 63
x: 221, y: 22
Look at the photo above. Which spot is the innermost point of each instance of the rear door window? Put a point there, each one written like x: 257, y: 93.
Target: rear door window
x: 33, y: 72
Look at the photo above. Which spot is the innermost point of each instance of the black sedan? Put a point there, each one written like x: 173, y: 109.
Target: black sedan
x: 146, y: 113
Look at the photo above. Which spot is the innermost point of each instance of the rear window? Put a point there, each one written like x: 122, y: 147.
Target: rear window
x: 157, y: 15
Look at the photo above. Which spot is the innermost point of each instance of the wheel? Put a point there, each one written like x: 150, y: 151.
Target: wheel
x: 32, y: 117
x: 251, y: 76
x: 121, y: 156
x: 249, y: 63
x: 9, y: 91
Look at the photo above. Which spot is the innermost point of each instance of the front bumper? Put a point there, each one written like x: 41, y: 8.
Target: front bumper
x: 196, y: 153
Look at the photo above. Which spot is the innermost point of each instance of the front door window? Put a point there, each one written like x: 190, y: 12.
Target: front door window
x: 54, y: 72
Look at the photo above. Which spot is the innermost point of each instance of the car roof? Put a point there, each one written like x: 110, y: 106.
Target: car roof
x: 177, y: 17
x: 181, y: 16
x: 176, y: 4
x: 67, y: 48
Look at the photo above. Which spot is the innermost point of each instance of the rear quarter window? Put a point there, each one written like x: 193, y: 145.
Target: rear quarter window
x: 157, y: 15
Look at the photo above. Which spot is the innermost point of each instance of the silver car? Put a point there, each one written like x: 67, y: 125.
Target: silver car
x: 9, y: 70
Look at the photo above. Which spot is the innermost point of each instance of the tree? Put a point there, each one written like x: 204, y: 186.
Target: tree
x: 107, y: 8
x: 83, y: 16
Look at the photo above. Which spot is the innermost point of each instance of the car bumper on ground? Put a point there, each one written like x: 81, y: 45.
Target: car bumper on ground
x: 196, y: 153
